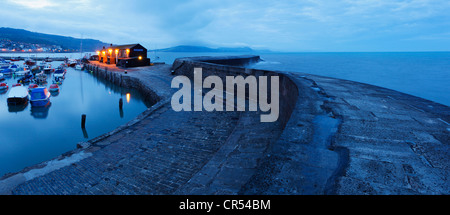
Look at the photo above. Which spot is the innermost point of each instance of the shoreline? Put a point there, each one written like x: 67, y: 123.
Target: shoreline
x: 317, y: 96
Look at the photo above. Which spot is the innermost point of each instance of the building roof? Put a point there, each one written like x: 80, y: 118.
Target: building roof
x: 129, y: 46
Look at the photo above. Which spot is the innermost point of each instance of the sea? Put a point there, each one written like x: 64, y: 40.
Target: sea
x: 422, y: 74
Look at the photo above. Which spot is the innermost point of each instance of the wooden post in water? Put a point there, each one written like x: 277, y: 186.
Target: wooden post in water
x: 83, y: 121
x: 120, y: 104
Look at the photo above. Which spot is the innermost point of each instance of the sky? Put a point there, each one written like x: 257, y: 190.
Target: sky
x: 291, y: 26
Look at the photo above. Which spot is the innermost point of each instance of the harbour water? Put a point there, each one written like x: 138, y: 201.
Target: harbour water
x: 422, y: 74
x: 31, y: 135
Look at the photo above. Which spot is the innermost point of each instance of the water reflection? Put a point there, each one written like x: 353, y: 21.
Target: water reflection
x: 17, y: 108
x: 40, y: 112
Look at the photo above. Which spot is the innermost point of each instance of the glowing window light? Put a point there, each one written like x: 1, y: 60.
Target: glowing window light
x: 117, y: 51
x: 140, y: 57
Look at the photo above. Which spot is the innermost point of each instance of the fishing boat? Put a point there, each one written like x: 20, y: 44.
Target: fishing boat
x: 18, y: 96
x: 3, y: 86
x: 54, y: 88
x: 40, y: 97
x: 16, y: 85
x: 48, y: 59
x: 15, y: 59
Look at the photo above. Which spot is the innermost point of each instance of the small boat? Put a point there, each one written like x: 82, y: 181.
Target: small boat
x: 4, y: 65
x: 79, y: 67
x: 26, y: 79
x: 71, y: 63
x: 18, y: 96
x: 30, y: 62
x: 23, y: 72
x: 40, y: 97
x: 1, y: 77
x: 54, y: 88
x: 14, y: 67
x: 48, y: 68
x: 15, y: 59
x: 7, y: 72
x: 41, y: 78
x: 16, y: 85
x: 3, y: 86
x: 32, y: 86
x: 59, y: 73
x: 48, y: 59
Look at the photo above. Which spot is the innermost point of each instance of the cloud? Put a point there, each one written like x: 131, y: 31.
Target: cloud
x: 291, y: 25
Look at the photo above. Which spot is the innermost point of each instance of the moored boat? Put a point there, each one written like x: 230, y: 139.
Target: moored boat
x: 54, y: 88
x: 25, y: 79
x: 3, y: 86
x: 16, y: 85
x: 7, y: 72
x: 48, y: 68
x: 71, y: 63
x: 59, y: 74
x: 40, y: 97
x: 18, y: 96
x: 30, y: 62
x: 32, y: 86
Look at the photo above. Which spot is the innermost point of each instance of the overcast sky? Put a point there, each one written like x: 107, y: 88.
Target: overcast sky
x: 301, y: 25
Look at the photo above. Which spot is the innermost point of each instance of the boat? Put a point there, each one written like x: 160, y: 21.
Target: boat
x: 7, y: 72
x: 3, y: 86
x: 48, y: 68
x: 48, y: 59
x: 2, y: 77
x: 18, y: 96
x: 41, y: 78
x: 23, y: 72
x: 32, y: 86
x: 71, y: 63
x: 16, y: 85
x: 14, y: 67
x: 15, y: 59
x: 25, y: 79
x: 59, y: 73
x: 30, y: 62
x: 79, y: 67
x: 4, y: 64
x: 54, y: 88
x: 40, y: 97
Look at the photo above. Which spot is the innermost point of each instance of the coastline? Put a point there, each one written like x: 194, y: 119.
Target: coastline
x: 240, y: 164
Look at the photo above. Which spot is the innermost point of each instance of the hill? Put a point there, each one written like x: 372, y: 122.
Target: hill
x: 28, y: 37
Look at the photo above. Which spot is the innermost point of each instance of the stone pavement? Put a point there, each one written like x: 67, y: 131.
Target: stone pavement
x: 342, y: 138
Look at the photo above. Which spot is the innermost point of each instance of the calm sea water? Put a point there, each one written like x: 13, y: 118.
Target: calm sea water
x: 422, y: 74
x: 31, y: 136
